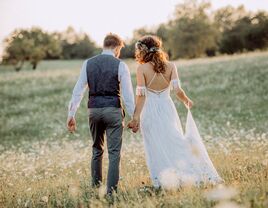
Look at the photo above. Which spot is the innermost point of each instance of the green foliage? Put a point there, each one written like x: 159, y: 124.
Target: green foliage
x: 42, y: 165
x: 238, y: 87
x: 191, y: 38
x: 129, y: 50
x: 163, y: 32
x: 196, y: 30
x: 226, y: 17
x: 191, y: 33
x: 35, y: 45
x: 248, y: 33
x: 29, y: 45
x: 76, y: 46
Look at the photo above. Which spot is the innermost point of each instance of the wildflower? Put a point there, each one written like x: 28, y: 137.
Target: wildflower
x: 102, y: 191
x: 227, y: 204
x: 221, y: 193
x: 73, y: 190
x: 44, y: 199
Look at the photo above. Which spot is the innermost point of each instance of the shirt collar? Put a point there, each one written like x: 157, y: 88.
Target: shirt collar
x: 108, y: 52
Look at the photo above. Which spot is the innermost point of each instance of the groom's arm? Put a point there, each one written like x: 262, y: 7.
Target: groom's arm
x: 78, y: 91
x: 126, y: 88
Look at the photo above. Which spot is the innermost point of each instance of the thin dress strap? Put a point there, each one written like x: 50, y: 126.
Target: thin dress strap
x: 154, y: 78
x: 151, y: 80
x: 165, y: 78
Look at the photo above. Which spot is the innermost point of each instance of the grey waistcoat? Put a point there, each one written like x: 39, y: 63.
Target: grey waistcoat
x: 102, y: 78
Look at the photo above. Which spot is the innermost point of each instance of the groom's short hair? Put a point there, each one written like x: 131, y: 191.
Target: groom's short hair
x: 112, y: 41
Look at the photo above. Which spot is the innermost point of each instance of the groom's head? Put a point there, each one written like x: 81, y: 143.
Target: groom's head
x: 113, y: 42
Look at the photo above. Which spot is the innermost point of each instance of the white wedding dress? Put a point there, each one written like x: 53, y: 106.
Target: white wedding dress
x: 174, y: 159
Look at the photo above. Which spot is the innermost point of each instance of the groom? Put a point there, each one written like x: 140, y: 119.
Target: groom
x: 107, y: 78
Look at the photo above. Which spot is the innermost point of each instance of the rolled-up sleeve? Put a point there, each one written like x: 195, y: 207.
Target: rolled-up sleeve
x: 126, y: 88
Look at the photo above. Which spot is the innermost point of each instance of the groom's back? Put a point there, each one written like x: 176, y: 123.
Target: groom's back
x: 102, y: 77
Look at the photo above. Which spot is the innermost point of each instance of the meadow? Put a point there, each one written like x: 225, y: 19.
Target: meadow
x: 42, y: 165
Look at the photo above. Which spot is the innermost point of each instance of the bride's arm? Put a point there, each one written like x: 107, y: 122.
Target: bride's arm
x: 140, y: 95
x: 140, y: 99
x: 175, y: 83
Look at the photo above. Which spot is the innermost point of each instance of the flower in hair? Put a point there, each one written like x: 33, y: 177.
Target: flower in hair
x: 141, y: 46
x: 154, y: 49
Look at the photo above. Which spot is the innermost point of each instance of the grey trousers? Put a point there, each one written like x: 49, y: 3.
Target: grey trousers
x: 107, y: 120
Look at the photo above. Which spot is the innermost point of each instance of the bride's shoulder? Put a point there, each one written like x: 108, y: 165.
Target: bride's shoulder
x: 170, y: 65
x: 143, y: 67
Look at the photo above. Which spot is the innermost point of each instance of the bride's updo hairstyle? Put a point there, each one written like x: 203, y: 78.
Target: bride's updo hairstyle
x: 149, y: 49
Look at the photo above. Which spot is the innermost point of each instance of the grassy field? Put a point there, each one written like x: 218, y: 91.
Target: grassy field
x: 42, y: 165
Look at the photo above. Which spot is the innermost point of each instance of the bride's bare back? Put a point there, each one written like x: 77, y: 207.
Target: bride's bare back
x: 157, y: 81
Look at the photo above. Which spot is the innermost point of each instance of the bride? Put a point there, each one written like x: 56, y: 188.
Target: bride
x: 173, y: 158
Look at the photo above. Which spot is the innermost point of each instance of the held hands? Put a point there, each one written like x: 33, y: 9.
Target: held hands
x: 134, y: 125
x: 71, y: 124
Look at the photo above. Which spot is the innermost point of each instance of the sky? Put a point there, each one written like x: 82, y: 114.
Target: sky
x: 96, y: 17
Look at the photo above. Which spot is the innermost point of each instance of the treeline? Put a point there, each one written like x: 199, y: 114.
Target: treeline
x: 195, y: 30
x: 34, y: 44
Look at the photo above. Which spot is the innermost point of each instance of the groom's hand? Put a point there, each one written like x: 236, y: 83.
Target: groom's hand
x: 135, y: 128
x: 134, y: 125
x: 71, y: 124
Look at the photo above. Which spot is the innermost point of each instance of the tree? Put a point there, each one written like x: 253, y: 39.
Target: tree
x: 226, y: 17
x: 77, y: 45
x: 163, y: 32
x: 129, y: 50
x: 257, y: 36
x: 29, y: 45
x: 248, y: 32
x: 192, y: 33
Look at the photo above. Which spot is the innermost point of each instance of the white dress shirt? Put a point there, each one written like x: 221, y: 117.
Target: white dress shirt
x: 124, y: 78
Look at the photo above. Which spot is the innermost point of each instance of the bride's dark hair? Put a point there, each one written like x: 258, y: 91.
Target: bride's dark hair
x: 149, y: 49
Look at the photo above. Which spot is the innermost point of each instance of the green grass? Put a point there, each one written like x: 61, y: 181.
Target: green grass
x: 233, y: 92
x: 42, y: 165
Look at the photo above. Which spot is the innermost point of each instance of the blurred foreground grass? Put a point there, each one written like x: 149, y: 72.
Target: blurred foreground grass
x: 41, y: 165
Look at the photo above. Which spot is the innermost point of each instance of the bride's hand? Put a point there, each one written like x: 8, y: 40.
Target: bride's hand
x: 188, y: 103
